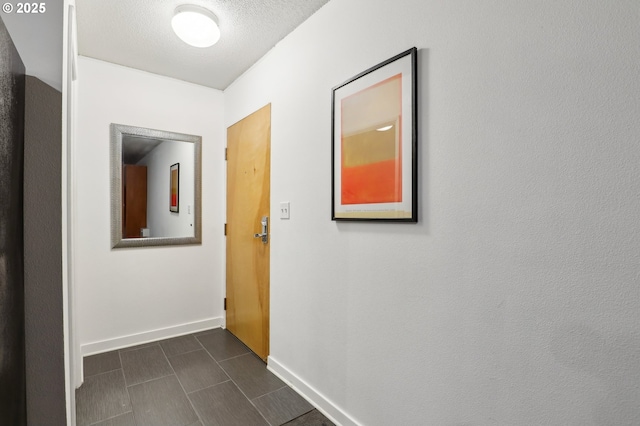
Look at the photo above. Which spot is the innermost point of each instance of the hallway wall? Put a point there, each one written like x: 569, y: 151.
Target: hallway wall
x: 514, y: 300
x: 160, y: 220
x: 44, y: 313
x: 125, y: 296
x: 41, y: 53
x: 12, y: 310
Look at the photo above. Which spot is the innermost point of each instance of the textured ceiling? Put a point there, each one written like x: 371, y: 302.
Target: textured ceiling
x: 138, y: 34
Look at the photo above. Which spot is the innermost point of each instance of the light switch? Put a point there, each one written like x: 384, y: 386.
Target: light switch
x: 284, y: 209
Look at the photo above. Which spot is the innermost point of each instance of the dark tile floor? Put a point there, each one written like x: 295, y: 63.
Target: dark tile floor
x: 201, y: 379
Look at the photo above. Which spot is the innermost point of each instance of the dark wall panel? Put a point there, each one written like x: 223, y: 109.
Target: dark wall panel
x: 12, y: 351
x: 43, y: 255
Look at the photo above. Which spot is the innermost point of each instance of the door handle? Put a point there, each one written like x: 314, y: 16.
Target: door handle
x: 265, y: 230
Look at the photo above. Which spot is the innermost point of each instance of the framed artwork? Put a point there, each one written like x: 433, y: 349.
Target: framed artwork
x: 174, y: 187
x: 374, y: 143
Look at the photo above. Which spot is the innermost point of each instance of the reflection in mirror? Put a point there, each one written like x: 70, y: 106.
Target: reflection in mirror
x: 155, y: 187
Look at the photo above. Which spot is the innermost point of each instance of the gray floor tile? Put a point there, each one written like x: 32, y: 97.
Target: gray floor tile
x: 225, y: 405
x: 101, y: 363
x: 222, y: 345
x: 251, y: 375
x: 282, y: 406
x: 126, y: 419
x: 197, y: 370
x: 144, y: 364
x: 101, y: 397
x: 218, y: 391
x: 161, y: 402
x: 136, y: 347
x: 212, y: 330
x: 180, y: 345
x: 312, y: 418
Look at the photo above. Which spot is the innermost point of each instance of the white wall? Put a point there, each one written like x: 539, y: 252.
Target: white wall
x: 515, y: 300
x: 126, y: 296
x: 41, y: 50
x: 160, y: 220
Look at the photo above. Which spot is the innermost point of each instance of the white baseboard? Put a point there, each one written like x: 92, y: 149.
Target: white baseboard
x: 149, y: 336
x: 315, y: 398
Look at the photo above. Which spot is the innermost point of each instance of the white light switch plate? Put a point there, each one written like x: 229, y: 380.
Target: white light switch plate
x: 285, y: 206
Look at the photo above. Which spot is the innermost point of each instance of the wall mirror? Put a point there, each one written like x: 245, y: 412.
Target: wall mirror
x: 155, y: 187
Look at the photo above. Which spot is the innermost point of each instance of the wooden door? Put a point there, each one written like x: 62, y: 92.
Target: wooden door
x: 135, y: 200
x: 248, y: 195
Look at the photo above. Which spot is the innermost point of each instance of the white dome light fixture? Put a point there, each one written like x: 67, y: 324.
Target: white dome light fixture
x: 195, y: 25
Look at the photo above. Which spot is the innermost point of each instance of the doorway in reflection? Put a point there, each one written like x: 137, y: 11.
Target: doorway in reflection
x: 158, y: 190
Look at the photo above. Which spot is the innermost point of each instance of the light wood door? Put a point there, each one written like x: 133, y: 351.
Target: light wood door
x: 248, y: 194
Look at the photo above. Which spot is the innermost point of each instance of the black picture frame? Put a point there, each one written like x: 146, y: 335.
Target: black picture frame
x: 174, y: 188
x: 374, y: 143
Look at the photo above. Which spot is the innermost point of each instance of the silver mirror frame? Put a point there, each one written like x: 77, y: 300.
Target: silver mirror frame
x: 117, y: 131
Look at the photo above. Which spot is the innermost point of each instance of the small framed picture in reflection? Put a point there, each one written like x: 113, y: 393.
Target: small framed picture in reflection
x: 174, y: 187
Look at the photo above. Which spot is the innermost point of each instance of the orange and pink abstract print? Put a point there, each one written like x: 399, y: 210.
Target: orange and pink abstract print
x: 371, y: 151
x: 174, y: 188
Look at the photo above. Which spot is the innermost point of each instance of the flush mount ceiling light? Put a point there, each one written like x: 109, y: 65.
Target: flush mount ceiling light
x: 195, y: 26
x: 385, y: 128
